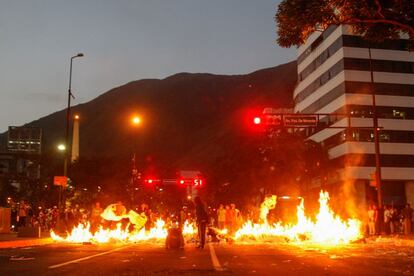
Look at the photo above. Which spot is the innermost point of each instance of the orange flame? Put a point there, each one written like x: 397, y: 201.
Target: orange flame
x: 82, y: 233
x: 328, y: 229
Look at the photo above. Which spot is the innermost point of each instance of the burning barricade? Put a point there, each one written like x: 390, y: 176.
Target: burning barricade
x: 326, y: 228
x: 116, y: 214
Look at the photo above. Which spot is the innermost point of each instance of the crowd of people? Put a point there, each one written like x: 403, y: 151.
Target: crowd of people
x: 395, y: 221
x: 228, y: 217
x: 23, y: 215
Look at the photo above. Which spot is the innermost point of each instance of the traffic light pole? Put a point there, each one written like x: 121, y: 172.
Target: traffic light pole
x: 376, y: 137
x: 377, y: 149
x: 279, y: 121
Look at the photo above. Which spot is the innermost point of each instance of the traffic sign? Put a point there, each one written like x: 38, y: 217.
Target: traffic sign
x: 60, y: 181
x: 273, y: 119
x: 198, y: 182
x: 300, y: 120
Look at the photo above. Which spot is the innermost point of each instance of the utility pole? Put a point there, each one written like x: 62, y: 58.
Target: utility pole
x: 377, y: 148
x: 376, y: 136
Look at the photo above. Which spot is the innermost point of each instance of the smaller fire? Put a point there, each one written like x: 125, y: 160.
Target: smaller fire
x: 82, y: 233
x: 189, y: 228
x: 327, y: 229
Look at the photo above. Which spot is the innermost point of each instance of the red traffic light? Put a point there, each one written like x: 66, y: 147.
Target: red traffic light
x: 181, y: 182
x: 257, y: 120
x: 151, y: 181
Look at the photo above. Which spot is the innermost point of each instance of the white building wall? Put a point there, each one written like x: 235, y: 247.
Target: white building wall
x: 359, y: 174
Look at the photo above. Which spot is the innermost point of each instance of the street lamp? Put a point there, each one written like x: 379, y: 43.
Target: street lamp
x: 61, y: 147
x: 135, y: 122
x: 70, y: 95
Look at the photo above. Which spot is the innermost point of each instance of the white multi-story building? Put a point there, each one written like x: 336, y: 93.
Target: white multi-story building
x: 334, y: 76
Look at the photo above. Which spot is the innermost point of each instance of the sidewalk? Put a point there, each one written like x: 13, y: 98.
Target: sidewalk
x: 11, y: 240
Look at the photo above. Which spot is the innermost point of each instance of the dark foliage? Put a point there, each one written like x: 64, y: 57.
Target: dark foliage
x: 376, y: 20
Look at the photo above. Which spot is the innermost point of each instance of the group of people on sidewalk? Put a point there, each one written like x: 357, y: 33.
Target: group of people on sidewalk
x: 47, y: 218
x: 23, y: 215
x: 395, y: 221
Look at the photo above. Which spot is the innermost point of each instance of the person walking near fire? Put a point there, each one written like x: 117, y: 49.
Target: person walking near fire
x: 202, y: 219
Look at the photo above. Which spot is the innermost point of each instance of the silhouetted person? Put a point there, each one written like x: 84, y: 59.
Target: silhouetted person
x: 372, y: 219
x: 407, y: 214
x: 96, y: 216
x: 202, y: 219
x: 221, y: 217
x: 387, y: 219
x: 22, y: 214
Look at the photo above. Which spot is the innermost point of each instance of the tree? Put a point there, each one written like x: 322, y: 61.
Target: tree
x: 375, y: 20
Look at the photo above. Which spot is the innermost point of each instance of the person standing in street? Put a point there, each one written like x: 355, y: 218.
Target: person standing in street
x: 229, y: 219
x: 221, y: 217
x: 96, y: 215
x: 387, y: 219
x: 393, y: 220
x: 183, y: 216
x: 372, y: 215
x: 407, y: 213
x: 202, y: 219
x: 22, y: 214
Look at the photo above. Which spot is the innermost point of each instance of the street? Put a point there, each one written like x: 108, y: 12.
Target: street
x: 390, y: 257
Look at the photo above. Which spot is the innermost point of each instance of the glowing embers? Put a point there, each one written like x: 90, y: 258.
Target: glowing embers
x: 327, y: 228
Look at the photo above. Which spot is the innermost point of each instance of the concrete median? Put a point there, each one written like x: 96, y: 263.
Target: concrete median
x: 25, y: 243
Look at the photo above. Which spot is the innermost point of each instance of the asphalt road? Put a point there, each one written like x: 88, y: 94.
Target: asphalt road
x: 376, y: 258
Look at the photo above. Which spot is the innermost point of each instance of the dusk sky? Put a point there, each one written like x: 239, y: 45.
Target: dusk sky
x: 123, y: 41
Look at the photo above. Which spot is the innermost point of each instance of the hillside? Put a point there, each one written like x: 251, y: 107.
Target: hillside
x: 190, y: 120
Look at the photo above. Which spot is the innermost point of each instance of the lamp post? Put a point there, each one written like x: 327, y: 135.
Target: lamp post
x: 61, y: 148
x: 136, y: 122
x: 70, y: 95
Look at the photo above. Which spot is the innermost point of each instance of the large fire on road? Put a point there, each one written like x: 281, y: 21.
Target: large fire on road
x: 327, y: 228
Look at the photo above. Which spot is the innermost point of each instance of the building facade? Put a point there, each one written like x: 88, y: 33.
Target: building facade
x: 20, y: 161
x: 334, y: 77
x: 24, y: 140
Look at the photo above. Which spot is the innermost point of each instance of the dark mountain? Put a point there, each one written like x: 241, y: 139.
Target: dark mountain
x: 189, y: 120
